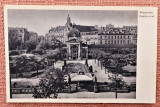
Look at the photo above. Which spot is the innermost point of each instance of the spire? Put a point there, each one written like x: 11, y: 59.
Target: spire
x: 68, y: 20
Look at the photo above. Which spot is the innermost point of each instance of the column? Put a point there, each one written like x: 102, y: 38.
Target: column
x: 79, y: 52
x: 69, y: 51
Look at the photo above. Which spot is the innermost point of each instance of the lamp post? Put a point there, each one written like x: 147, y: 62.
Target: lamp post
x: 117, y: 68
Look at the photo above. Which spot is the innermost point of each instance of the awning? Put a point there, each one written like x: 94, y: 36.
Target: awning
x: 129, y: 68
x: 25, y: 81
x: 81, y: 78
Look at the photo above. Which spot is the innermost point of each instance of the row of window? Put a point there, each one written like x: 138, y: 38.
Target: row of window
x: 115, y: 37
x: 89, y: 38
x: 121, y: 42
x: 60, y: 39
x: 59, y: 34
x: 88, y: 33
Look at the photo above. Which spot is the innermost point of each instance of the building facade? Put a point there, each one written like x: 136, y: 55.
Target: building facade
x: 76, y: 39
x: 74, y: 50
x: 115, y: 39
x: 60, y: 32
x: 18, y: 37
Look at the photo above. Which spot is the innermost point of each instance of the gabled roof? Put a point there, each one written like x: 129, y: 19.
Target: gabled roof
x: 85, y: 28
x: 58, y: 28
x: 81, y: 78
x: 129, y: 68
x: 74, y: 41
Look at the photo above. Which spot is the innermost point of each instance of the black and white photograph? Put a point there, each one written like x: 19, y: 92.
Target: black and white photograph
x: 72, y: 54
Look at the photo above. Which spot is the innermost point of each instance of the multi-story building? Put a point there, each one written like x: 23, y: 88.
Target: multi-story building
x: 130, y: 29
x: 60, y: 32
x: 33, y: 37
x: 20, y: 33
x: 77, y: 39
x: 109, y: 26
x: 115, y: 39
x: 90, y: 39
x: 118, y: 35
x: 17, y: 37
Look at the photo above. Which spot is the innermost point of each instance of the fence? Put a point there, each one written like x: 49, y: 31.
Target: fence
x: 22, y: 90
x: 74, y: 88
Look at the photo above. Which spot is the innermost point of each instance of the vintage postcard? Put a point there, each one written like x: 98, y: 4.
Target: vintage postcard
x: 80, y: 54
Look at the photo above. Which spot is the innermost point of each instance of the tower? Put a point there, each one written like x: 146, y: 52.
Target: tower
x: 68, y: 19
x: 69, y: 24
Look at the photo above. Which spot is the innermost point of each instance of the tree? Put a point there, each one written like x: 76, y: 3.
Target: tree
x: 60, y: 44
x: 117, y: 82
x: 31, y: 46
x: 46, y: 45
x: 50, y: 84
x: 114, y: 66
x: 16, y: 65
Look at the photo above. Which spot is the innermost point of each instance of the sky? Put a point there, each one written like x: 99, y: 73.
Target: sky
x: 40, y: 21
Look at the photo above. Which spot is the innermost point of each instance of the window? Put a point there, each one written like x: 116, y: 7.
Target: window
x: 112, y: 41
x: 115, y: 42
x: 105, y: 42
x: 124, y: 42
x: 101, y: 42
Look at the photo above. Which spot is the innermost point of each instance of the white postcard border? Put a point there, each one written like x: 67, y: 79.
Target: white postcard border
x: 146, y: 55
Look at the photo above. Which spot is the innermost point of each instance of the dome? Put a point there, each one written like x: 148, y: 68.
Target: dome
x: 74, y: 33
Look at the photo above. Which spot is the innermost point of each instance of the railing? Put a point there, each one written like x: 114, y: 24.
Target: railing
x: 31, y: 90
x: 22, y: 90
x: 104, y: 88
x: 71, y: 89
